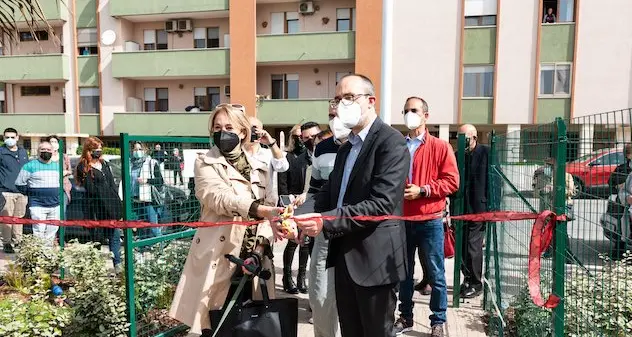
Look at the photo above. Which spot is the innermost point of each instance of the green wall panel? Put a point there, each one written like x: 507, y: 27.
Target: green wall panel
x: 86, y: 13
x: 550, y: 108
x: 88, y: 71
x: 171, y: 63
x: 89, y: 124
x: 34, y: 68
x: 52, y: 10
x: 290, y: 112
x: 477, y: 111
x: 162, y: 124
x: 46, y: 123
x: 306, y: 47
x: 479, y: 45
x: 557, y: 43
x: 147, y: 7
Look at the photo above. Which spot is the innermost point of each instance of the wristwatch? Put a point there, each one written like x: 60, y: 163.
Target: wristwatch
x: 422, y: 191
x: 272, y: 143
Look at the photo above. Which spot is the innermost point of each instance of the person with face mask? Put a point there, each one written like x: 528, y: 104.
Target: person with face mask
x: 146, y: 175
x: 432, y: 176
x: 54, y: 142
x: 39, y: 179
x: 12, y: 158
x: 295, y: 183
x: 368, y: 179
x: 231, y: 186
x: 95, y: 175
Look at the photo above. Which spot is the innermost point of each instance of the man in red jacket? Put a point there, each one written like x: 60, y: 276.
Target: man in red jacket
x: 433, y: 175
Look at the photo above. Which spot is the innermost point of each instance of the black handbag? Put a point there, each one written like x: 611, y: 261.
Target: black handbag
x: 266, y: 318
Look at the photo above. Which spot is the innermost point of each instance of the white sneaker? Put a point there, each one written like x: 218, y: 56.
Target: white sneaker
x: 311, y: 320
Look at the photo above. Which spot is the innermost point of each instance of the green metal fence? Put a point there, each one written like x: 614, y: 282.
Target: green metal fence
x: 579, y: 168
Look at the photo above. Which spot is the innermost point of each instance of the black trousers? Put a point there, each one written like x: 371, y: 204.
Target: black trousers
x: 177, y: 173
x: 364, y: 311
x: 472, y: 267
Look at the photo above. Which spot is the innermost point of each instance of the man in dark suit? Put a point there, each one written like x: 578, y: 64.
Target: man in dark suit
x: 368, y: 179
x: 476, y: 185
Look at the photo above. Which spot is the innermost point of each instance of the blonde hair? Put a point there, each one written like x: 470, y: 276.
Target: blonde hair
x: 236, y: 117
x: 290, y: 142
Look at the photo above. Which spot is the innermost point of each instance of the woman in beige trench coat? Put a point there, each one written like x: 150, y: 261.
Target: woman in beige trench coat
x: 230, y: 186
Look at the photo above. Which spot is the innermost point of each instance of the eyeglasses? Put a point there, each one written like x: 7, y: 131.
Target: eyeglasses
x: 346, y: 99
x: 234, y: 106
x: 411, y: 110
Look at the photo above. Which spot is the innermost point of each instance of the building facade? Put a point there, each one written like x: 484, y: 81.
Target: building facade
x: 139, y: 66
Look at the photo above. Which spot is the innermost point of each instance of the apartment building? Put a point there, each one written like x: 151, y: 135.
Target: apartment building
x: 147, y: 67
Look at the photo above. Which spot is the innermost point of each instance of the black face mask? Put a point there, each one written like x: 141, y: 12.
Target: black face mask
x: 225, y: 141
x: 310, y: 145
x: 299, y: 146
x: 96, y: 154
x: 46, y: 156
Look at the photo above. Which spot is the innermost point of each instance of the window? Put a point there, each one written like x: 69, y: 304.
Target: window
x: 206, y: 37
x: 558, y: 11
x: 345, y: 19
x: 291, y: 23
x: 206, y: 98
x: 156, y: 99
x: 87, y: 41
x: 41, y: 35
x: 89, y: 100
x: 285, y: 86
x: 480, y: 8
x: 615, y: 158
x: 3, y: 108
x: 555, y: 79
x: 476, y: 21
x: 478, y: 81
x: 155, y: 39
x: 35, y: 90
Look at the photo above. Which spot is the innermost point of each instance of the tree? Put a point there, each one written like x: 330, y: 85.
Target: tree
x: 29, y: 10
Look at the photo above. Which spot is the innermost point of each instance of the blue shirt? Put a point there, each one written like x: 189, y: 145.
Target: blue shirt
x: 413, y: 144
x: 356, y: 142
x: 41, y: 182
x: 10, y: 164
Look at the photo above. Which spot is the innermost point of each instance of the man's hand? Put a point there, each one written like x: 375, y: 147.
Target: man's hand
x: 300, y: 199
x: 265, y: 138
x: 311, y: 223
x: 268, y: 212
x: 412, y: 192
x: 249, y: 260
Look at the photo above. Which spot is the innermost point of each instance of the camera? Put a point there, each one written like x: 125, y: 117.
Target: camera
x: 253, y: 134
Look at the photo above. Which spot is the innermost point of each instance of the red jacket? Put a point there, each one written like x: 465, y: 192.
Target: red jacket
x: 435, y: 169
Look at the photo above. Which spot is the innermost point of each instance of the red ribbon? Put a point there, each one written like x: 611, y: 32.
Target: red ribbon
x: 541, y: 234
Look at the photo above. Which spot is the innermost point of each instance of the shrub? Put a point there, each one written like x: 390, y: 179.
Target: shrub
x: 35, y: 258
x: 32, y: 318
x: 106, y: 150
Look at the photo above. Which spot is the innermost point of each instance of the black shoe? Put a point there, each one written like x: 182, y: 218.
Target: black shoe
x: 464, y: 286
x: 472, y: 291
x: 300, y: 282
x: 288, y: 284
x: 8, y: 249
x: 402, y: 325
x: 423, y: 288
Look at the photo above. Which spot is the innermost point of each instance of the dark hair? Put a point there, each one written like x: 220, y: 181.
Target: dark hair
x: 424, y: 104
x: 309, y: 125
x: 324, y: 133
x: 51, y: 137
x: 10, y: 130
x: 370, y: 88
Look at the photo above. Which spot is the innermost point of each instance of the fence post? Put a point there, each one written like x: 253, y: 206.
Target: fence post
x: 490, y: 187
x: 129, y: 236
x: 559, y: 202
x: 459, y: 208
x: 62, y: 202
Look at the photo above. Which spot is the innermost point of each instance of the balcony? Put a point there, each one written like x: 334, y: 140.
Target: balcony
x: 162, y: 123
x: 293, y: 111
x: 158, y: 7
x: 42, y: 123
x: 26, y: 68
x: 53, y: 10
x: 557, y: 42
x: 88, y: 67
x: 551, y: 108
x: 89, y: 124
x: 477, y: 110
x: 297, y: 48
x: 479, y: 45
x: 171, y: 63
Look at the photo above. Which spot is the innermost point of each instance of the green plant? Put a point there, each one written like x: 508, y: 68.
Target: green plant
x: 98, y: 300
x: 15, y: 278
x: 106, y: 150
x: 601, y: 303
x: 32, y: 318
x: 36, y: 258
x: 531, y: 320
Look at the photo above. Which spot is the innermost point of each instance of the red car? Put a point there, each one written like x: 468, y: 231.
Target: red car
x: 592, y: 171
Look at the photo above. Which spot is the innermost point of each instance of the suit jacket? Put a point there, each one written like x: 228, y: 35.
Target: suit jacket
x: 477, y: 179
x: 374, y: 251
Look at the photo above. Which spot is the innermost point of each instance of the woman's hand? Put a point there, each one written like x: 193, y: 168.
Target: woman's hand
x: 300, y: 199
x: 268, y: 212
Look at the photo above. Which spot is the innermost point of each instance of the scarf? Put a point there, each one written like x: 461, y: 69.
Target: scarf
x: 237, y: 158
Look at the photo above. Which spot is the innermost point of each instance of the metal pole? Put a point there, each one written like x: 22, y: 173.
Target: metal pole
x: 387, y: 61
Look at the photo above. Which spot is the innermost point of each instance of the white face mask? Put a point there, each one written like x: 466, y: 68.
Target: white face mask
x: 55, y: 146
x: 350, y: 115
x: 412, y: 120
x: 10, y: 142
x: 339, y: 130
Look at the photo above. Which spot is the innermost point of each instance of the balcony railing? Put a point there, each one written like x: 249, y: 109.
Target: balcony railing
x: 171, y: 63
x: 322, y: 46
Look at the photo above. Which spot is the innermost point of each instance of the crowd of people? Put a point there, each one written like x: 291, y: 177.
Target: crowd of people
x: 359, y: 166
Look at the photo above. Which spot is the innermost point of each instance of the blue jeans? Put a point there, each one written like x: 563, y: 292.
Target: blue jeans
x: 428, y: 236
x: 114, y: 243
x: 151, y: 214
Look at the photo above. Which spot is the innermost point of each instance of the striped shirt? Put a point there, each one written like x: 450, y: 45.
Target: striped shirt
x: 40, y: 181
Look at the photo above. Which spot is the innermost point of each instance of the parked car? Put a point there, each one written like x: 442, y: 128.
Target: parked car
x: 591, y: 172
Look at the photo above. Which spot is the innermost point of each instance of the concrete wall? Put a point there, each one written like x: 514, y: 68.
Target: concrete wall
x: 186, y: 40
x: 307, y: 23
x: 50, y: 46
x: 179, y: 99
x: 307, y: 87
x: 39, y: 104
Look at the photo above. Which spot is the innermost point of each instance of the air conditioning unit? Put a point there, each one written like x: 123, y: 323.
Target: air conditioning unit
x: 227, y: 90
x: 306, y: 7
x: 171, y: 26
x: 184, y: 25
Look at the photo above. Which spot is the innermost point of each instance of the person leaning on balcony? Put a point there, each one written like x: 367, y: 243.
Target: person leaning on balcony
x: 549, y: 17
x: 230, y: 186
